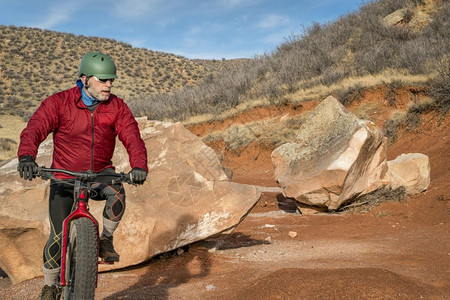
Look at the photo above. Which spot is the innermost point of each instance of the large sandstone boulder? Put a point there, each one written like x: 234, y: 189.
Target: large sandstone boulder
x: 186, y: 198
x: 335, y: 158
x: 411, y: 171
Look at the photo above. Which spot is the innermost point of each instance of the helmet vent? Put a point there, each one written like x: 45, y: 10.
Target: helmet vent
x: 98, y: 64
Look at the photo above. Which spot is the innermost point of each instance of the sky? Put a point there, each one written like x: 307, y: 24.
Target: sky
x: 206, y: 29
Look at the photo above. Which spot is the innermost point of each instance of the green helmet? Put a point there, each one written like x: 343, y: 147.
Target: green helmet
x: 98, y: 64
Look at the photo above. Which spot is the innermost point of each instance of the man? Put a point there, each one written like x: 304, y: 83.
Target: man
x: 85, y: 121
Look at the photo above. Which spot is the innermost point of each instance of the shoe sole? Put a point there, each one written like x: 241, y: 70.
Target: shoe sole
x: 109, y: 259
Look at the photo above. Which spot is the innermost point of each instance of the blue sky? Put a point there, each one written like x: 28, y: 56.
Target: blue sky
x: 211, y: 29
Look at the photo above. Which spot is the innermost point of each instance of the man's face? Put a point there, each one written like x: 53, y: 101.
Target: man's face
x: 97, y: 88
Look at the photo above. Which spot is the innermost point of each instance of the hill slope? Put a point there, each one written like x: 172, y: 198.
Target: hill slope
x: 387, y: 42
x: 401, y: 45
x: 36, y: 63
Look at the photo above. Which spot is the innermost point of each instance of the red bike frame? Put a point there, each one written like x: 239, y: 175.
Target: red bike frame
x: 81, y: 211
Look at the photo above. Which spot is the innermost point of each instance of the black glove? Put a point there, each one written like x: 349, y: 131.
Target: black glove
x: 27, y: 167
x: 138, y: 175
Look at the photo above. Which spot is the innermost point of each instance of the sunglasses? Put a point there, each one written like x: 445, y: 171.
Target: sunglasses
x: 103, y: 80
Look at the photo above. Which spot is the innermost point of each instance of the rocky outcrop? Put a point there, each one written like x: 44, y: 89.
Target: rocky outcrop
x: 335, y: 158
x: 396, y: 17
x: 407, y: 16
x: 411, y: 171
x: 186, y: 198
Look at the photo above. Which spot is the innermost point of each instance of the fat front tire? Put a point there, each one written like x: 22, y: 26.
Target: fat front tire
x: 81, y: 261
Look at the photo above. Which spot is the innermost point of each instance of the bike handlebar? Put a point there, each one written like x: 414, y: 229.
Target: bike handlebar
x: 47, y: 173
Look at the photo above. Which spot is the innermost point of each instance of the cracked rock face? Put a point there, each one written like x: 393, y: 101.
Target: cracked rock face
x: 335, y: 158
x: 187, y: 197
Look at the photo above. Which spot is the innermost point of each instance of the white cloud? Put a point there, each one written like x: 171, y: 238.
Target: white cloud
x: 237, y: 3
x: 137, y: 42
x: 51, y: 21
x: 232, y: 3
x: 273, y: 21
x: 205, y: 29
x: 164, y: 22
x: 157, y: 12
x: 57, y: 14
x: 136, y: 8
x: 278, y: 38
x: 194, y: 30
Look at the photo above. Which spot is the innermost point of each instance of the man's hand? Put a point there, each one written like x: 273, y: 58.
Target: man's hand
x: 138, y: 175
x: 27, y: 167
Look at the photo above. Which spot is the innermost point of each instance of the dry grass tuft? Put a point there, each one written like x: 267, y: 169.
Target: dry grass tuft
x: 10, y: 129
x: 371, y: 200
x: 267, y: 133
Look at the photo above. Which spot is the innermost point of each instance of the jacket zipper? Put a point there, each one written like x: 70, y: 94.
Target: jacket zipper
x: 92, y: 144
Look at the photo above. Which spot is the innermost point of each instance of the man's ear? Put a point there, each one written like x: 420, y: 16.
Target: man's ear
x: 85, y: 80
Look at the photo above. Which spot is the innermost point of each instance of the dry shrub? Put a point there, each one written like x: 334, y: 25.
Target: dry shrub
x: 409, y: 120
x: 392, y: 126
x: 391, y: 87
x: 7, y: 144
x: 375, y: 198
x: 413, y: 118
x: 352, y: 94
x: 440, y: 87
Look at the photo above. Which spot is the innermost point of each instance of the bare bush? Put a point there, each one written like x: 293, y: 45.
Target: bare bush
x: 391, y: 91
x: 7, y: 144
x: 368, y: 201
x: 218, y: 93
x: 440, y: 87
x: 169, y: 87
x: 350, y: 95
x: 392, y: 126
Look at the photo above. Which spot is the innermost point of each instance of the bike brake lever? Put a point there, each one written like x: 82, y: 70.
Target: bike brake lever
x: 123, y: 178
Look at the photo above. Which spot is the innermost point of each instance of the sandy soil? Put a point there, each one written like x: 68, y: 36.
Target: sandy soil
x: 396, y: 250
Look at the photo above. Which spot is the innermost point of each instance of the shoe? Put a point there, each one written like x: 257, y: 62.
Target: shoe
x: 106, y: 251
x: 50, y: 292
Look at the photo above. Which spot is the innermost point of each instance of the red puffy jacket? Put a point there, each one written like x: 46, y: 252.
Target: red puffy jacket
x: 83, y: 140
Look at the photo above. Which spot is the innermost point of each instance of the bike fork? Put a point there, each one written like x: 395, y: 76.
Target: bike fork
x: 81, y: 211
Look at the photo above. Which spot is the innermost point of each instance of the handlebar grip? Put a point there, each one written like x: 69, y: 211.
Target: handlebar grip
x: 128, y: 178
x: 131, y: 176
